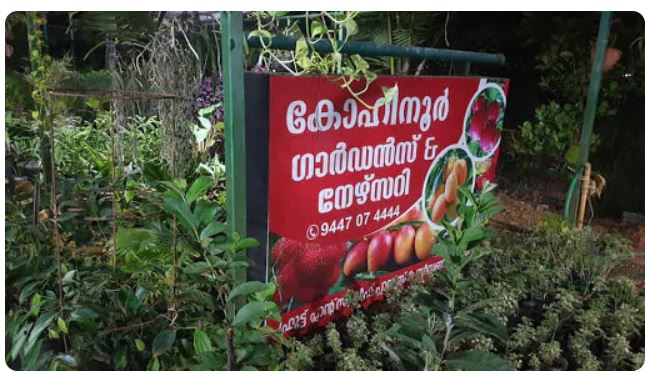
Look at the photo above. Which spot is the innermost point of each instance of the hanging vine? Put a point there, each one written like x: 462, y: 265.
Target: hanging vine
x: 330, y: 27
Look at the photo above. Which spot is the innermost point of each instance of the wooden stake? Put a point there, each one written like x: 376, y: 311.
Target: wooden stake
x: 53, y: 205
x: 585, y: 188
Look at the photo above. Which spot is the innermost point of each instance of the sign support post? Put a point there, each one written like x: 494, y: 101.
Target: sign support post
x: 234, y: 126
x: 572, y: 201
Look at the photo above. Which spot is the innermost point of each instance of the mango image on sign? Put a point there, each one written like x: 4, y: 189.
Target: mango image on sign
x: 379, y: 250
x: 452, y: 170
x: 424, y: 241
x: 404, y: 245
x: 356, y: 260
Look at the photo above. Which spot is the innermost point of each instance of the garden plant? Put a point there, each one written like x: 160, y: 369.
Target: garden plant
x: 119, y: 253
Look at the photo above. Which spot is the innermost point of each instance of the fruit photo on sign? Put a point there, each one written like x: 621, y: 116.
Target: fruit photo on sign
x: 406, y: 240
x: 454, y: 168
x: 483, y: 121
x: 305, y: 272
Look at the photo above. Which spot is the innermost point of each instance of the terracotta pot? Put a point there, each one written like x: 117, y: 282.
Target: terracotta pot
x: 613, y: 55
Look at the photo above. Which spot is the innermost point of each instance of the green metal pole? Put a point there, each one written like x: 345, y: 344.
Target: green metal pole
x: 368, y: 49
x: 234, y: 125
x: 591, y: 103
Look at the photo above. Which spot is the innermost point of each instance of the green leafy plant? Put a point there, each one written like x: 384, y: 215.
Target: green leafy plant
x: 553, y: 134
x: 170, y: 300
x: 555, y: 291
x: 452, y: 325
x: 354, y: 73
x: 205, y: 133
x: 432, y: 324
x: 564, y: 69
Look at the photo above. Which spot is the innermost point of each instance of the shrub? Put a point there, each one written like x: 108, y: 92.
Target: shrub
x: 553, y: 291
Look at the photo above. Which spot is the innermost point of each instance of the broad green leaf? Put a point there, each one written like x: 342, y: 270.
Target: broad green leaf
x: 268, y: 291
x: 370, y: 76
x: 389, y: 93
x: 84, y: 313
x: 93, y: 103
x: 41, y: 324
x: 238, y: 263
x: 476, y: 360
x: 206, y: 110
x: 32, y: 354
x: 53, y: 334
x: 246, y: 288
x: 261, y: 33
x: 132, y: 239
x: 460, y: 335
x: 391, y: 354
x: 154, y: 364
x: 351, y: 27
x: 61, y: 325
x: 68, y: 277
x: 129, y: 195
x: 250, y: 312
x: 140, y: 345
x: 179, y: 209
x: 211, y: 229
x: 205, y: 211
x: 198, y: 188
x: 316, y: 29
x: 131, y: 302
x: 197, y: 267
x: 443, y: 250
x: 301, y: 53
x: 27, y: 291
x: 199, y: 133
x: 19, y: 340
x: 245, y: 244
x: 484, y: 323
x: 471, y: 234
x: 572, y: 154
x: 475, y: 306
x: 35, y: 305
x: 201, y: 342
x: 67, y: 359
x: 180, y: 183
x: 205, y: 123
x: 360, y: 63
x: 218, y: 262
x: 163, y: 342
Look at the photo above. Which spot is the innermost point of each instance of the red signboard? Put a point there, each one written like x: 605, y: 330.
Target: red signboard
x: 359, y: 185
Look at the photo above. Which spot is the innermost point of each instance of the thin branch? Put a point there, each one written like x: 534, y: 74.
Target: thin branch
x: 128, y: 327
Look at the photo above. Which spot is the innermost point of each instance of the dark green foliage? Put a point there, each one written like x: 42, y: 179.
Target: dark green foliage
x: 17, y: 93
x: 430, y: 325
x: 154, y: 309
x: 563, y: 66
x: 563, y: 310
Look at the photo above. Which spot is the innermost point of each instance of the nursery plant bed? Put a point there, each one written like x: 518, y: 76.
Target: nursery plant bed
x: 524, y: 208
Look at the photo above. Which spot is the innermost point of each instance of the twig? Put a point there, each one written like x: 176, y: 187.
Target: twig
x: 188, y: 42
x: 114, y: 94
x: 231, y: 362
x: 128, y: 327
x: 54, y: 208
x: 420, y: 67
x: 174, y: 303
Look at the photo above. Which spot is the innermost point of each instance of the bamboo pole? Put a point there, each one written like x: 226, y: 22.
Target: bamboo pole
x: 53, y: 205
x: 585, y: 188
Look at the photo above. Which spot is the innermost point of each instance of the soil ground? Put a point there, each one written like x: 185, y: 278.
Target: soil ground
x: 529, y: 201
